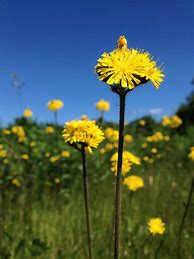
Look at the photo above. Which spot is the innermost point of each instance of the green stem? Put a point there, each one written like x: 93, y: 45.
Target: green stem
x: 55, y: 118
x: 122, y: 96
x: 86, y: 201
x: 183, y: 218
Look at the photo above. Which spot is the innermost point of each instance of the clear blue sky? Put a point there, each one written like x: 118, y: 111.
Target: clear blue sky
x: 54, y: 45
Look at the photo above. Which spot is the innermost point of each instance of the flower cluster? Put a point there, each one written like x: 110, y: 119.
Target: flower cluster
x: 156, y: 226
x: 19, y: 132
x: 103, y: 106
x: 128, y: 67
x: 55, y: 105
x: 173, y: 122
x: 133, y: 182
x: 84, y: 133
x: 128, y: 160
x: 111, y: 134
x: 157, y: 136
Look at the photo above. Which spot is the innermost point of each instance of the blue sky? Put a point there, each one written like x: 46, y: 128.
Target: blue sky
x: 54, y: 45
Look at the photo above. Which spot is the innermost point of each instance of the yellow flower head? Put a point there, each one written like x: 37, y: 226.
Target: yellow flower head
x: 128, y: 160
x: 27, y: 113
x: 103, y: 106
x: 3, y: 153
x: 86, y: 133
x: 142, y: 123
x: 156, y: 226
x: 191, y: 154
x: 24, y: 156
x: 154, y: 150
x: 128, y: 138
x: 84, y: 117
x: 166, y: 121
x: 128, y: 68
x: 175, y: 121
x: 54, y: 159
x: 16, y: 182
x: 49, y: 130
x: 55, y: 105
x: 6, y: 132
x: 133, y: 182
x: 19, y: 131
x: 65, y: 154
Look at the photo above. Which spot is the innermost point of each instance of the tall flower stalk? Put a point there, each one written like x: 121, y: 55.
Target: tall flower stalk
x: 84, y: 135
x: 124, y: 69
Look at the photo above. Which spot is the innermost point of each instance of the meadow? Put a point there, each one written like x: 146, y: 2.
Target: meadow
x: 41, y: 203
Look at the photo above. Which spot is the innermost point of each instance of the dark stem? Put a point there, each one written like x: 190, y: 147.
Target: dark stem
x: 183, y: 219
x: 86, y: 201
x: 122, y: 96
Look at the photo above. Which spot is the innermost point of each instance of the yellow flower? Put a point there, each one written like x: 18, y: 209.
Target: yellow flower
x: 27, y: 113
x: 19, y: 131
x: 154, y: 150
x: 32, y: 144
x: 86, y: 133
x: 65, y: 154
x: 6, y: 132
x: 111, y: 134
x: 128, y: 138
x: 133, y: 182
x: 128, y: 67
x: 57, y: 180
x: 47, y: 154
x: 24, y: 156
x: 54, y: 159
x: 128, y: 160
x: 191, y: 154
x: 102, y: 151
x: 142, y: 123
x: 157, y: 136
x: 109, y: 146
x: 103, y: 106
x: 1, y: 146
x: 144, y: 145
x: 3, y: 153
x: 55, y: 105
x: 16, y: 182
x: 146, y: 158
x: 5, y: 161
x: 49, y: 130
x: 166, y: 121
x: 156, y: 226
x: 175, y: 121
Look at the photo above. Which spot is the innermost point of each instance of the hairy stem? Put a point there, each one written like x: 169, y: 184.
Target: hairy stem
x: 86, y: 201
x: 183, y: 219
x: 122, y: 96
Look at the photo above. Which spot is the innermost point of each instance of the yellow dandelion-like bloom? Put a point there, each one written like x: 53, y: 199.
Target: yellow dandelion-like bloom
x: 5, y: 161
x: 27, y: 113
x: 166, y: 121
x: 85, y: 133
x: 144, y: 145
x: 55, y: 105
x: 19, y: 131
x: 49, y: 130
x: 175, y: 121
x: 1, y: 146
x: 146, y: 158
x: 128, y: 138
x: 109, y: 146
x: 32, y: 144
x: 6, y: 132
x: 103, y: 106
x: 133, y: 182
x: 16, y: 182
x: 47, y: 154
x: 102, y: 151
x: 142, y: 123
x: 65, y: 154
x: 128, y: 160
x: 54, y: 159
x: 191, y: 154
x: 154, y: 150
x: 24, y: 156
x: 84, y: 117
x: 156, y: 226
x: 128, y: 68
x: 3, y: 153
x: 57, y: 180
